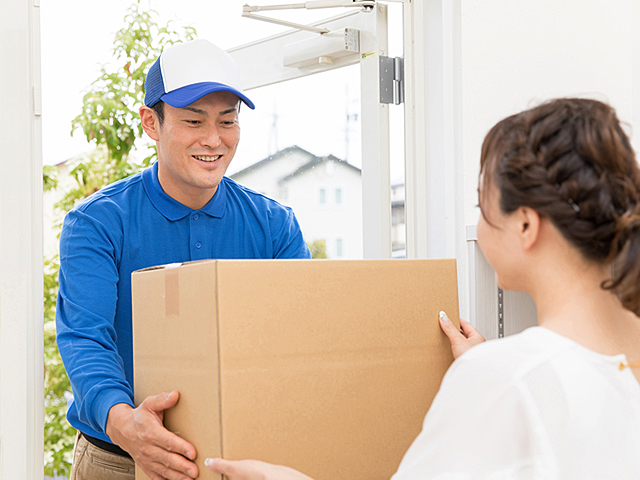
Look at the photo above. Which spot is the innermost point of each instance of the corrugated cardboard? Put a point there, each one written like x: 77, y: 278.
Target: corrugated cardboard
x: 325, y: 366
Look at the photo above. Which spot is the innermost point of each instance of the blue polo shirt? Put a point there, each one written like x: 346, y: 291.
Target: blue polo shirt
x: 133, y: 224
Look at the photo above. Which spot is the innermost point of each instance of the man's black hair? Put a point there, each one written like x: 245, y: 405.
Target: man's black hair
x: 159, y: 109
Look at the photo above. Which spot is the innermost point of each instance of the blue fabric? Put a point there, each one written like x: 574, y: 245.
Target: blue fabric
x: 153, y: 85
x: 188, y: 94
x: 133, y: 224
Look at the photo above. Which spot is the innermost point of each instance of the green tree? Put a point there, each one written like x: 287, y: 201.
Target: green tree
x: 318, y: 249
x: 109, y: 119
x: 58, y: 433
x: 49, y: 178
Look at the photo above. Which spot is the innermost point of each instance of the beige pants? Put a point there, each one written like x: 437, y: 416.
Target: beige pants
x: 93, y: 463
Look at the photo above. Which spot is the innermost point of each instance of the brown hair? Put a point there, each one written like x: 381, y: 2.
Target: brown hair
x: 570, y: 161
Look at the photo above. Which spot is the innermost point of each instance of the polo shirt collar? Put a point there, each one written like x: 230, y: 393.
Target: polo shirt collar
x: 174, y: 210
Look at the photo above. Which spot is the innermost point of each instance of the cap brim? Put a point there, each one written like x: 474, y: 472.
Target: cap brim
x: 184, y: 96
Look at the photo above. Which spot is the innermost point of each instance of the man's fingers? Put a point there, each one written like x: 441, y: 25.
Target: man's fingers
x: 161, y: 402
x: 171, y: 465
x: 164, y: 439
x: 173, y: 443
x: 167, y: 440
x: 166, y: 464
x: 171, y: 470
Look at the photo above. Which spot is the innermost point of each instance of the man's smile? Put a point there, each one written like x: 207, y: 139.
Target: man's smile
x: 207, y: 158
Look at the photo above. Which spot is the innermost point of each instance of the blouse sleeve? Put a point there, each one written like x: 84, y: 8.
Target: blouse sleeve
x: 481, y: 425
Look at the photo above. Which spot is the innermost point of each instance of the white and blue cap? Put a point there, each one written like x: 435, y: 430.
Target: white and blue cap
x: 186, y: 72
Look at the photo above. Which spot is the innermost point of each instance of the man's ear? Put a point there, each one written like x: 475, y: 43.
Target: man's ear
x: 150, y: 122
x: 529, y: 227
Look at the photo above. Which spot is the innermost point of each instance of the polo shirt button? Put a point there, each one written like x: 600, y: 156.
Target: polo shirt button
x: 196, y: 216
x: 198, y: 244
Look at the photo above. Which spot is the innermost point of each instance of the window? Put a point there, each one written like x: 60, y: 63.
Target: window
x: 322, y: 196
x: 339, y: 248
x: 338, y: 196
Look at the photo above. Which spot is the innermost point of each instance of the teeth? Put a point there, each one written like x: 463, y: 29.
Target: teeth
x: 207, y: 158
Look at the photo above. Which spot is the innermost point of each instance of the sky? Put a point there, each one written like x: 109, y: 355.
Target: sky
x: 319, y: 113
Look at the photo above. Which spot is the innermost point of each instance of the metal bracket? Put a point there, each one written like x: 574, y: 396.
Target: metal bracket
x: 312, y: 4
x: 297, y: 26
x: 500, y: 313
x: 392, y: 80
x: 322, y: 50
x: 248, y: 11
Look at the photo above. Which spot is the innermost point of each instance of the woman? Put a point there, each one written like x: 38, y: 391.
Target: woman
x: 560, y: 200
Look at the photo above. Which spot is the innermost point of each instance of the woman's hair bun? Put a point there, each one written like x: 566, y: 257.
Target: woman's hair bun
x: 570, y: 160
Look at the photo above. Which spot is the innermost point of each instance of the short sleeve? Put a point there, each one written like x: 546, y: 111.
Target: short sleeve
x: 288, y: 242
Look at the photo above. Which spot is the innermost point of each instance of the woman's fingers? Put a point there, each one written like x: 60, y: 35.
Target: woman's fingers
x: 460, y: 341
x: 252, y: 470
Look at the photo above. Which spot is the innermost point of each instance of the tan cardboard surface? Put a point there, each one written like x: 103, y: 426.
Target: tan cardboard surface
x: 326, y: 366
x: 179, y: 352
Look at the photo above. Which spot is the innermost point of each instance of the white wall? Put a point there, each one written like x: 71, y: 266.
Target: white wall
x: 516, y: 54
x: 510, y: 55
x: 21, y: 309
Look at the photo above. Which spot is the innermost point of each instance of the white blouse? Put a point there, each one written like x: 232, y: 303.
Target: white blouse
x: 533, y: 405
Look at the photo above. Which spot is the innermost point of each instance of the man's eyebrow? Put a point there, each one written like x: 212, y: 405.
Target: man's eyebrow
x: 229, y: 110
x: 196, y: 110
x: 203, y: 112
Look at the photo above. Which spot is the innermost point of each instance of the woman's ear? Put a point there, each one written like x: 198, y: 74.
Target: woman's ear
x: 150, y: 123
x: 529, y: 227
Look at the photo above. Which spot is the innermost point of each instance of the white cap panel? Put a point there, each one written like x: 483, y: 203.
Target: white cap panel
x: 182, y: 65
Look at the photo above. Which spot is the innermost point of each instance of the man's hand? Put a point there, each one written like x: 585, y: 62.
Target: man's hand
x: 461, y: 341
x: 140, y: 431
x: 253, y: 470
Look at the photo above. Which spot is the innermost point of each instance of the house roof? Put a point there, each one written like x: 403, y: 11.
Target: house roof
x: 317, y: 161
x: 313, y: 162
x: 271, y: 159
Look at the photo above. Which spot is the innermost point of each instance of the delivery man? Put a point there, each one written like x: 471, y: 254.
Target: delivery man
x: 182, y: 208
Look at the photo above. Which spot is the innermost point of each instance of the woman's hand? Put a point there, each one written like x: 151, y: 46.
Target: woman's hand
x: 253, y: 470
x: 461, y: 340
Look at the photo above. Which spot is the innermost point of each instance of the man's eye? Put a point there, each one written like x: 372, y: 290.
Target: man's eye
x: 193, y: 122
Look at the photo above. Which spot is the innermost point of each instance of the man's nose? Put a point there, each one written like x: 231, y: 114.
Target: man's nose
x: 211, y: 137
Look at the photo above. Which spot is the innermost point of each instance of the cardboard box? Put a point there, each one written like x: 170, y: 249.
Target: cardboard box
x: 325, y: 366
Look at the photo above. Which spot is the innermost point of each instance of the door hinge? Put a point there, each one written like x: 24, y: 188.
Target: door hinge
x: 37, y: 101
x: 392, y: 80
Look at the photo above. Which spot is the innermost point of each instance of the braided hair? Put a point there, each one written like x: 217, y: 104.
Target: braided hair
x: 570, y: 161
